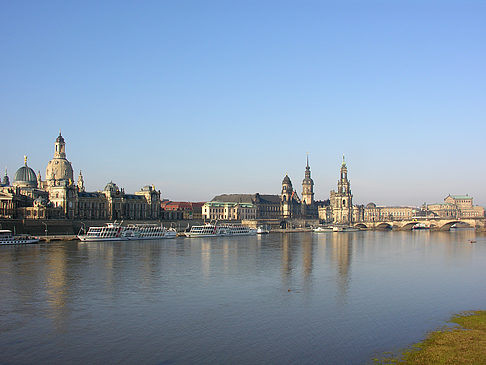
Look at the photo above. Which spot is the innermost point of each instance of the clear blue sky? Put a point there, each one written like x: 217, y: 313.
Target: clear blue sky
x: 208, y: 97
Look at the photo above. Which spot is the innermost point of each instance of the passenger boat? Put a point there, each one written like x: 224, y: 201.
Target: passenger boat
x: 213, y: 230
x: 344, y: 229
x: 323, y: 229
x: 7, y: 238
x: 116, y: 232
x: 262, y: 230
x: 148, y: 232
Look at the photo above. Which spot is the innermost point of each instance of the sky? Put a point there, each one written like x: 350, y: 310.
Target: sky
x: 202, y: 98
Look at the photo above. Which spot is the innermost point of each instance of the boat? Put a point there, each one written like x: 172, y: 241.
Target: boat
x: 7, y: 238
x: 262, y: 230
x: 420, y: 226
x: 148, y: 232
x: 344, y: 229
x: 323, y: 229
x: 116, y: 232
x: 215, y: 229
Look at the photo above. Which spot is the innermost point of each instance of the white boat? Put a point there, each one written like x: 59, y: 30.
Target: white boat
x: 214, y: 230
x: 344, y: 229
x: 148, y: 232
x: 7, y: 238
x: 323, y: 229
x: 116, y: 232
x: 262, y: 230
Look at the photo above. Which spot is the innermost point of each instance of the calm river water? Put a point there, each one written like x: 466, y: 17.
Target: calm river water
x: 299, y: 298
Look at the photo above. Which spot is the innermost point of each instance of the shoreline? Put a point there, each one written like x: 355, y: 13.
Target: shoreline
x: 462, y: 343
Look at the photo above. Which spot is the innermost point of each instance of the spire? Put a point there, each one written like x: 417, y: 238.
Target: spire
x: 307, y: 170
x: 344, y: 162
x: 25, y: 160
x: 81, y: 181
x: 6, y: 180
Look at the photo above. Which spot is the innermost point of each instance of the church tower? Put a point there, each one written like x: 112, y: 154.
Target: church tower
x: 6, y: 180
x: 308, y: 186
x: 59, y: 180
x: 60, y: 147
x: 286, y: 197
x: 80, y: 182
x: 342, y: 200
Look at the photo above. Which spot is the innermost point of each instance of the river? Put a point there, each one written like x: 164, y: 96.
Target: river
x: 297, y: 298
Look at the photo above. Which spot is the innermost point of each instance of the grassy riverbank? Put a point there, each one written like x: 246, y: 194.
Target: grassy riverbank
x: 462, y: 344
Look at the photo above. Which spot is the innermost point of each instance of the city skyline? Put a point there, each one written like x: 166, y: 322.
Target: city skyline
x: 227, y: 98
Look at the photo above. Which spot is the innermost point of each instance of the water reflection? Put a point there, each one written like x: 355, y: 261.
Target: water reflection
x: 227, y: 301
x: 341, y: 253
x: 57, y: 286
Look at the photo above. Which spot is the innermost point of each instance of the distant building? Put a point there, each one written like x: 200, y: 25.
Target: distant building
x: 456, y: 206
x: 181, y: 210
x: 59, y: 197
x: 229, y: 211
x: 342, y: 209
x: 374, y: 213
x: 267, y: 206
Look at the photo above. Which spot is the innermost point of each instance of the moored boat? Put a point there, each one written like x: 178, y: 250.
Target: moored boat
x: 323, y: 229
x: 116, y: 232
x: 344, y: 229
x: 7, y: 238
x: 262, y: 230
x: 214, y: 230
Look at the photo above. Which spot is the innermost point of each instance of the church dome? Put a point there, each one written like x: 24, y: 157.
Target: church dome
x: 59, y: 169
x: 25, y: 177
x: 286, y: 180
x: 111, y: 186
x: 370, y: 205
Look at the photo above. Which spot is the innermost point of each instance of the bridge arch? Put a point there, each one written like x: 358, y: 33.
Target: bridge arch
x: 361, y: 226
x: 408, y: 226
x: 447, y: 226
x: 384, y: 226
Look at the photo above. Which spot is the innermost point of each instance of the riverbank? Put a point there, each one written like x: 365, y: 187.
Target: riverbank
x: 462, y: 344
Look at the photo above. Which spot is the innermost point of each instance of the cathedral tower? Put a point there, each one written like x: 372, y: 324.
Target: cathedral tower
x: 342, y: 200
x: 308, y: 186
x: 59, y: 171
x: 286, y: 197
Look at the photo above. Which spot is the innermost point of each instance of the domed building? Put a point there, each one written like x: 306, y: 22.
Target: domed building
x: 59, y: 171
x: 25, y: 177
x: 59, y: 180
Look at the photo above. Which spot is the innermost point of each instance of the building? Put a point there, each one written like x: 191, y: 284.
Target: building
x: 268, y: 206
x: 181, y: 210
x: 342, y: 200
x: 456, y: 206
x: 374, y: 213
x: 59, y: 197
x: 229, y: 211
x: 309, y: 206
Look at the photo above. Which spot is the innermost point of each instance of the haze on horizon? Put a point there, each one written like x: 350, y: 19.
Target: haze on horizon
x: 205, y: 98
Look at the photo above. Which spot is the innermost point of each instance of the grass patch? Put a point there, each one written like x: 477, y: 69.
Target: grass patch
x: 462, y: 344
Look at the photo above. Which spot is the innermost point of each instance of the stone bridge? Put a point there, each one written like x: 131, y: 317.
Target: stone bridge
x: 437, y: 224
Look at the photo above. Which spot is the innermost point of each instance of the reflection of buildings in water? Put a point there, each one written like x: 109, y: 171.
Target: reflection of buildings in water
x: 151, y: 261
x: 205, y: 258
x: 286, y: 254
x: 57, y: 290
x: 226, y: 254
x: 307, y: 246
x: 342, y: 246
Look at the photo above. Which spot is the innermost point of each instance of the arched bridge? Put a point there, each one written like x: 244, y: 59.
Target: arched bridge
x: 433, y: 224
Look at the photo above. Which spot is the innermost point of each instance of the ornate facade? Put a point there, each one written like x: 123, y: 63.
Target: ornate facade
x: 59, y: 197
x: 456, y: 206
x: 342, y: 199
